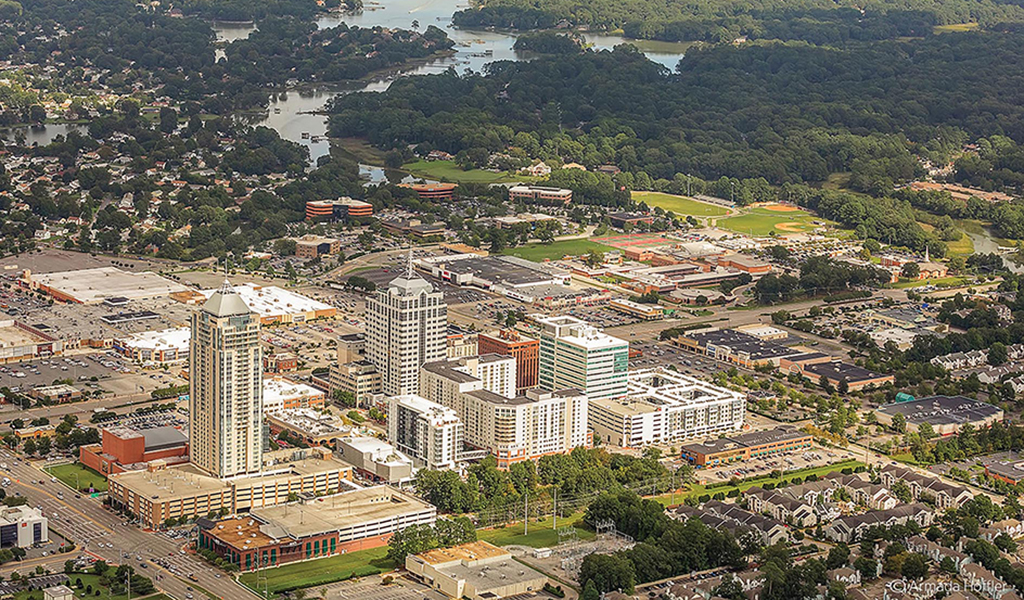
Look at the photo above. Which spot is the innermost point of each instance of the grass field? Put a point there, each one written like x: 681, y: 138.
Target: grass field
x: 680, y: 205
x: 325, y: 570
x: 942, y: 282
x: 446, y: 170
x: 761, y: 221
x: 955, y: 27
x: 697, y: 490
x: 556, y: 250
x: 962, y: 247
x: 86, y: 477
x: 541, y: 535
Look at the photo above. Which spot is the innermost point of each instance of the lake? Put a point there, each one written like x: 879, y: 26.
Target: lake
x: 473, y: 49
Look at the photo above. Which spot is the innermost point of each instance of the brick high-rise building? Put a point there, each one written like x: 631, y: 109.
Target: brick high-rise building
x: 525, y: 350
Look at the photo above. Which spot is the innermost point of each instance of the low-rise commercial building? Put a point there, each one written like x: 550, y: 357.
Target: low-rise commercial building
x: 647, y: 312
x: 784, y: 438
x: 337, y: 210
x: 284, y: 394
x: 946, y: 414
x: 315, y: 246
x: 476, y: 571
x: 19, y: 342
x: 277, y: 305
x: 23, y: 527
x: 432, y: 191
x: 535, y: 194
x: 376, y: 459
x: 167, y: 346
x: 663, y: 406
x: 123, y: 449
x: 315, y: 527
x: 56, y: 393
x: 312, y: 426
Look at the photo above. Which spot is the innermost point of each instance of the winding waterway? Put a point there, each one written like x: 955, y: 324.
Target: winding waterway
x: 293, y: 114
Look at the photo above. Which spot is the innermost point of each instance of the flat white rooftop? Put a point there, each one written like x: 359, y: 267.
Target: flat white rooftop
x: 578, y: 332
x: 165, y: 339
x: 90, y: 286
x: 272, y: 301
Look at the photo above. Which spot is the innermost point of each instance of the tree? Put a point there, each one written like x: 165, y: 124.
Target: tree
x: 608, y: 572
x: 899, y: 423
x: 910, y: 270
x: 168, y: 119
x: 901, y: 490
x: 29, y: 447
x: 868, y: 567
x: 997, y: 354
x: 590, y: 592
x: 915, y: 566
x: 838, y: 556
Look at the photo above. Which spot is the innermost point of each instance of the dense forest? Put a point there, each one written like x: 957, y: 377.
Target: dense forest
x: 816, y: 21
x: 136, y: 49
x: 788, y: 113
x: 770, y: 117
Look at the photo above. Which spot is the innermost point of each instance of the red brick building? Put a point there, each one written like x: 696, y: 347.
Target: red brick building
x: 121, y: 447
x: 526, y: 351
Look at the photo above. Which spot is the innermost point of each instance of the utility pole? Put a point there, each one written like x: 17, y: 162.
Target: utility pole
x: 526, y: 514
x: 554, y: 526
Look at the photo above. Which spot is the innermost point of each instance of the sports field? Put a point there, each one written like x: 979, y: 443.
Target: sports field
x: 556, y: 250
x: 446, y: 170
x: 680, y: 205
x: 763, y: 220
x: 634, y: 240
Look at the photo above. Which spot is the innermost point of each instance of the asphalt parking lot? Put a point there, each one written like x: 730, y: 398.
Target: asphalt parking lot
x: 27, y: 375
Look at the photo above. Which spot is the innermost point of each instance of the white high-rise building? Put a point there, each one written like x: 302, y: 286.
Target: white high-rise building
x: 226, y: 387
x: 512, y: 428
x: 574, y: 354
x: 428, y: 432
x: 406, y: 326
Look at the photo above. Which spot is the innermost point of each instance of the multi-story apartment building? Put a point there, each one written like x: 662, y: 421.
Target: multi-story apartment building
x: 512, y: 428
x: 575, y: 355
x: 226, y: 387
x: 429, y: 433
x: 406, y: 326
x: 664, y: 406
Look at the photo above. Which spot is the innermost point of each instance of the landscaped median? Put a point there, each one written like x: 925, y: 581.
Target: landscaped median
x: 321, y: 571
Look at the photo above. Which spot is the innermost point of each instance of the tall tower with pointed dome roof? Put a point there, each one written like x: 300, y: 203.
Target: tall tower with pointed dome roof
x: 226, y: 387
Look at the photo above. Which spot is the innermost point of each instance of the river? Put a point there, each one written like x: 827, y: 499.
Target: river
x: 290, y: 114
x: 984, y: 244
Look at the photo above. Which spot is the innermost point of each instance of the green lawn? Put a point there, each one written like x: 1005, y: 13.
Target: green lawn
x: 322, y: 571
x: 761, y: 221
x: 962, y: 247
x: 446, y: 170
x: 680, y: 205
x: 86, y: 477
x: 541, y: 534
x: 955, y: 27
x: 88, y: 579
x: 556, y: 250
x: 943, y: 282
x: 697, y: 490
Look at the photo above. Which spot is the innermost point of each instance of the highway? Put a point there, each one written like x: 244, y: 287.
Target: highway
x: 104, y: 535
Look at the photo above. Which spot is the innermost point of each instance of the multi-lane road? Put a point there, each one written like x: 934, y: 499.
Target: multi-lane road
x: 104, y: 535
